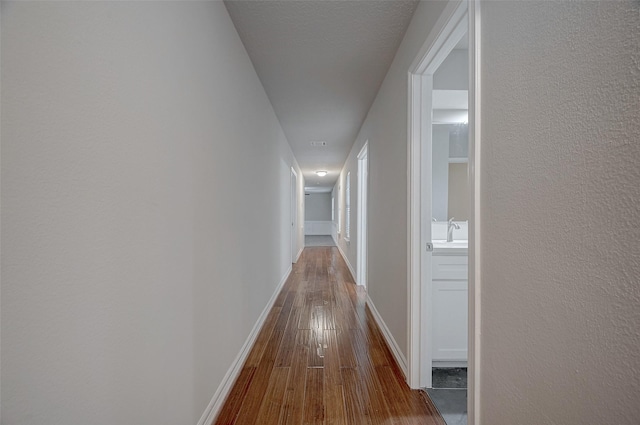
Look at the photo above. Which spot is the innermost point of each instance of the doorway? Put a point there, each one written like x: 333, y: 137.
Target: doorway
x: 294, y: 216
x: 447, y: 327
x: 459, y: 20
x: 363, y: 178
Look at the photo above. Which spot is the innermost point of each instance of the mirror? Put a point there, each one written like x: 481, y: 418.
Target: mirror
x: 450, y: 192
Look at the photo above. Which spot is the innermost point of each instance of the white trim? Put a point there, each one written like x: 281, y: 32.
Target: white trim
x: 347, y: 208
x: 362, y: 215
x: 473, y: 391
x: 221, y: 394
x: 422, y: 289
x: 294, y: 215
x: 413, y: 248
x: 446, y: 33
x: 391, y: 342
x: 388, y: 337
x: 299, y: 254
x: 448, y: 20
x: 346, y: 260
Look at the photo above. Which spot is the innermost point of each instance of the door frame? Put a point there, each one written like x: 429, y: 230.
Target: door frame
x: 457, y: 18
x: 362, y: 217
x: 294, y: 215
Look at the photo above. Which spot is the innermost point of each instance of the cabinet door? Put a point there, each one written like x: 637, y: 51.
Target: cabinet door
x: 450, y: 267
x: 450, y: 320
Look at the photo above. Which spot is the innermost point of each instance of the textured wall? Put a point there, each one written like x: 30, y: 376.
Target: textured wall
x: 560, y: 256
x: 321, y: 63
x: 386, y: 130
x: 129, y: 185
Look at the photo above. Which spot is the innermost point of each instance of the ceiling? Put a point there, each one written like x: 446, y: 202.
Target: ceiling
x: 450, y: 106
x: 321, y: 64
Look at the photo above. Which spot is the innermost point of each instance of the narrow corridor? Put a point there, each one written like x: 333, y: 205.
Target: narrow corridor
x: 321, y: 359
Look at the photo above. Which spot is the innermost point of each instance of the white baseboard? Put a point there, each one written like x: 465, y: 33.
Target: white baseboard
x: 298, y: 256
x: 395, y: 349
x: 393, y: 345
x: 346, y: 260
x: 229, y: 379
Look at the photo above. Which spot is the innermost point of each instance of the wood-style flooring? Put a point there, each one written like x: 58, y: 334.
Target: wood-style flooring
x: 321, y: 359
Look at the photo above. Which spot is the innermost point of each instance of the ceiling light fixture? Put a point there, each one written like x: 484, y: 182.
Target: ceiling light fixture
x: 321, y: 173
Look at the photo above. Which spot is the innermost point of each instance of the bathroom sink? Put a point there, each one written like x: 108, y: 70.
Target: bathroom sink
x: 450, y: 248
x: 452, y: 244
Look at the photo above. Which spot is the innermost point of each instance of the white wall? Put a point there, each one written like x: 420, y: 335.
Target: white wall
x: 560, y: 183
x: 459, y: 195
x: 560, y: 257
x: 130, y: 177
x: 317, y: 207
x: 386, y: 129
x: 0, y: 217
x: 440, y: 172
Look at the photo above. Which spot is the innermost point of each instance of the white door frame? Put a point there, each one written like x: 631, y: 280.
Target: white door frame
x: 456, y: 19
x: 363, y: 177
x: 294, y: 215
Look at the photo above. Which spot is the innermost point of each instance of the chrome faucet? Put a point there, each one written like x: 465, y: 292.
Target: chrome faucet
x: 450, y: 226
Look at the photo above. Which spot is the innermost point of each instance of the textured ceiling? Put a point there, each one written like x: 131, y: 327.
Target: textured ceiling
x: 321, y: 64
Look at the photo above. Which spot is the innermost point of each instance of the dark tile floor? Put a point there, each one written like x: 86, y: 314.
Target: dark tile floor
x: 449, y: 394
x: 449, y: 377
x: 451, y: 403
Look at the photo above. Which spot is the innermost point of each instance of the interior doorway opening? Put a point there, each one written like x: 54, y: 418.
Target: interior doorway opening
x: 294, y: 215
x: 449, y: 192
x: 438, y: 109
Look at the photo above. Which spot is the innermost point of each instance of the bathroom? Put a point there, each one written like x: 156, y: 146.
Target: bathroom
x: 450, y: 195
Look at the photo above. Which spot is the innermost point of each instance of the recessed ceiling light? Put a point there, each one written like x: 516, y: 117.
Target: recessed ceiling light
x: 321, y: 173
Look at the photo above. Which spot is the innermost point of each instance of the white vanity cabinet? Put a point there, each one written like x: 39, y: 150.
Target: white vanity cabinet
x: 450, y: 312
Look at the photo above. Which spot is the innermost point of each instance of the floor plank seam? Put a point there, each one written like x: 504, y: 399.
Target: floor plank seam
x: 321, y: 358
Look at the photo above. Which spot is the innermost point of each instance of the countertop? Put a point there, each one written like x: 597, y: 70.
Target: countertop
x: 442, y: 247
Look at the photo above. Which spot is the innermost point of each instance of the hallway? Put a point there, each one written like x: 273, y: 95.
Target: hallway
x: 321, y: 359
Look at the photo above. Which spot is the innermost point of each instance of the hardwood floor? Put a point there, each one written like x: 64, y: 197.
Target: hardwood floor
x: 321, y: 359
